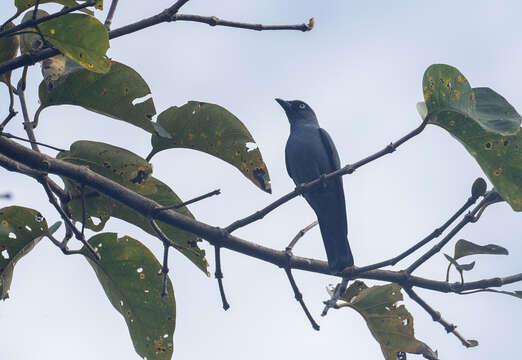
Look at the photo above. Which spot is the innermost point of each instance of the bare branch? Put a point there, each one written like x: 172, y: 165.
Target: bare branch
x: 110, y: 14
x: 214, y: 21
x: 166, y: 244
x: 348, y: 169
x: 12, y: 112
x: 191, y: 201
x: 435, y: 315
x: 219, y: 276
x: 299, y: 235
x: 299, y: 298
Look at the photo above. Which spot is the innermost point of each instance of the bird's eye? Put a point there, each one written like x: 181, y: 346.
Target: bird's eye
x: 302, y: 106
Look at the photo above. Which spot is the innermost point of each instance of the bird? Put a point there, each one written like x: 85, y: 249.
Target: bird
x: 310, y: 154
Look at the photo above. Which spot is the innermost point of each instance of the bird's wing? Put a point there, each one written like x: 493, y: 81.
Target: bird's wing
x: 287, y: 165
x: 333, y: 156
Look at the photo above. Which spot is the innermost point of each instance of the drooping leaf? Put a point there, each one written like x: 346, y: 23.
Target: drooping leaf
x: 465, y: 248
x: 131, y: 278
x: 215, y: 131
x: 23, y: 5
x: 110, y: 94
x: 390, y: 325
x: 8, y: 49
x: 483, y: 121
x: 82, y: 38
x: 133, y: 172
x: 460, y: 267
x: 21, y: 229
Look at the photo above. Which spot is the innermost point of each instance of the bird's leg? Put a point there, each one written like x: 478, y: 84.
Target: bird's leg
x: 332, y: 302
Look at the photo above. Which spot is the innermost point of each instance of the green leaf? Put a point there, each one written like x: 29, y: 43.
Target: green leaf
x: 131, y: 278
x: 110, y: 94
x: 215, y: 131
x: 21, y: 229
x: 22, y: 5
x: 483, y: 121
x: 8, y: 49
x: 460, y: 267
x: 30, y: 40
x: 390, y: 325
x: 465, y: 248
x: 82, y: 38
x: 133, y: 172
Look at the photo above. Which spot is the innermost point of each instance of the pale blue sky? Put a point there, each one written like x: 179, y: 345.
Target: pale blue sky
x: 361, y: 70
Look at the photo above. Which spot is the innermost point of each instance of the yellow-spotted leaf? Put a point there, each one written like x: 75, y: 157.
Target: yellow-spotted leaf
x: 23, y: 5
x: 21, y: 229
x: 131, y: 278
x: 133, y: 172
x: 82, y: 38
x: 483, y: 121
x: 8, y: 49
x: 112, y: 94
x: 215, y: 131
x: 390, y: 324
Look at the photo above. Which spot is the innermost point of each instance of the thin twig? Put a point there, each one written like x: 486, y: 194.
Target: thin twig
x: 63, y: 245
x: 434, y: 234
x: 435, y: 315
x: 468, y: 218
x: 214, y: 21
x: 17, y: 14
x: 346, y: 170
x: 11, y: 136
x: 188, y: 202
x: 110, y: 14
x: 161, y: 235
x: 68, y: 223
x: 166, y: 244
x: 20, y: 90
x: 219, y: 276
x: 299, y: 235
x: 332, y: 302
x: 299, y: 298
x: 12, y: 112
x: 84, y: 210
x: 34, y: 22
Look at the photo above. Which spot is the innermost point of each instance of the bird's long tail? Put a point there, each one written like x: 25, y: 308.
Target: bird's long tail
x: 334, y: 233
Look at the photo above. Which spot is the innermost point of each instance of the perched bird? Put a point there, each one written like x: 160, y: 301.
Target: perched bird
x: 310, y: 153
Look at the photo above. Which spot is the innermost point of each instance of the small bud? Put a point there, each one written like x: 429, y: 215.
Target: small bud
x: 479, y: 187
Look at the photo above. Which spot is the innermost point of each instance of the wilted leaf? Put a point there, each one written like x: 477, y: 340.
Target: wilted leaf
x: 82, y: 38
x: 465, y: 248
x: 390, y: 325
x: 215, y: 131
x: 483, y: 121
x: 132, y: 280
x: 110, y: 94
x: 133, y: 172
x: 8, y: 49
x: 21, y: 229
x: 460, y: 267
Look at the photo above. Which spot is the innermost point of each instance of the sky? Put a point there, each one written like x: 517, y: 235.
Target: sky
x: 360, y: 69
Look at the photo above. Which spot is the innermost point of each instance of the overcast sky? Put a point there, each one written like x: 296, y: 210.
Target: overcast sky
x: 361, y: 70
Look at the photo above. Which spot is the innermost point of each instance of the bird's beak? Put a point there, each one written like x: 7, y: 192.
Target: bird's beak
x: 284, y: 104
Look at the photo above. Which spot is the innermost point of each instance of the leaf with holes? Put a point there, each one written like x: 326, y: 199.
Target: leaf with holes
x: 22, y: 5
x: 133, y: 172
x: 8, y: 49
x: 215, y: 131
x: 112, y: 94
x: 132, y: 280
x: 390, y: 325
x: 483, y: 121
x: 466, y: 248
x: 82, y: 38
x: 20, y: 230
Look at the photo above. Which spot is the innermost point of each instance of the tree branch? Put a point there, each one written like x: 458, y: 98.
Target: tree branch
x: 219, y: 276
x: 436, y: 316
x: 214, y: 21
x: 166, y: 15
x: 218, y: 236
x: 110, y: 14
x: 348, y: 169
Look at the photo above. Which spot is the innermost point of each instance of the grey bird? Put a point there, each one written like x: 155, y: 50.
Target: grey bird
x: 309, y: 154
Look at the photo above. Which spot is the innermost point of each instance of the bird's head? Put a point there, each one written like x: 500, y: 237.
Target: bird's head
x: 298, y: 112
